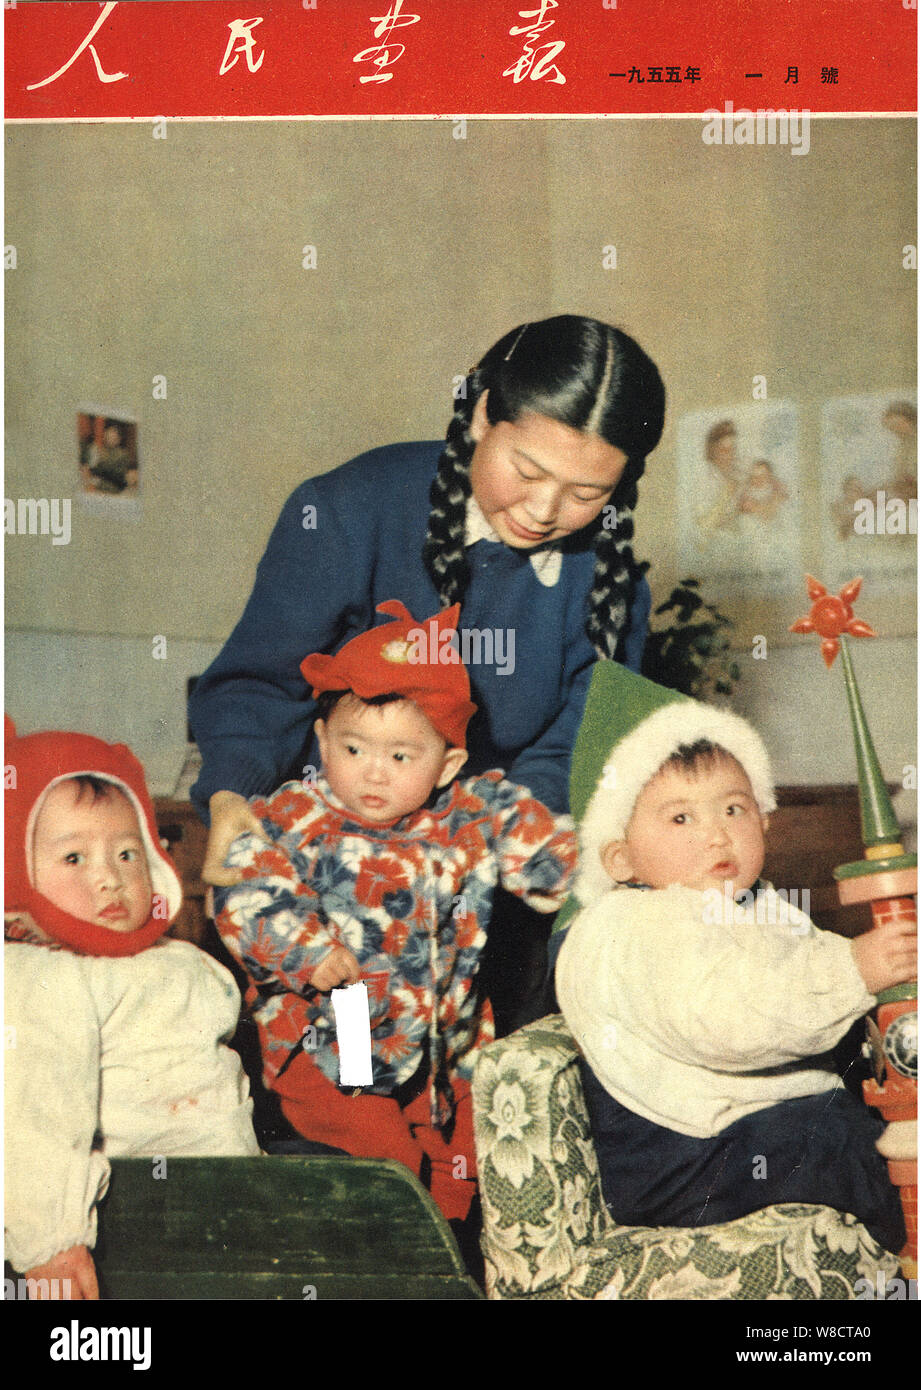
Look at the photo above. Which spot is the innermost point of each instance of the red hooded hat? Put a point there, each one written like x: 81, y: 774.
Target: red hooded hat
x: 419, y: 661
x: 33, y: 765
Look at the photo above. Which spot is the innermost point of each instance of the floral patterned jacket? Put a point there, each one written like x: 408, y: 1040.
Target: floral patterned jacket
x: 410, y: 900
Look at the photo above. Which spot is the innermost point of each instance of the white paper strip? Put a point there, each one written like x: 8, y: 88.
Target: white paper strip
x: 353, y: 1029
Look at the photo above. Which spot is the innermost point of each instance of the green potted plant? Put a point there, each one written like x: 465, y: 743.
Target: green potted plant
x: 690, y: 651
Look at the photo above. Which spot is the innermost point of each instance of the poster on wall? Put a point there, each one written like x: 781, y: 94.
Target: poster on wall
x: 257, y: 328
x: 739, y: 496
x: 108, y: 461
x: 870, y: 490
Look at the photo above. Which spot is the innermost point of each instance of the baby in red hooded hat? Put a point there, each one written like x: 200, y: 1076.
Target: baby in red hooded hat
x: 383, y: 868
x: 116, y: 1035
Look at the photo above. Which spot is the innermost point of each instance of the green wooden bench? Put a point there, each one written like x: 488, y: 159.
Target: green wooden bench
x: 274, y: 1228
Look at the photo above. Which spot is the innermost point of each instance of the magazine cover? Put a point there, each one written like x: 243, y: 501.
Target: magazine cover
x: 460, y: 778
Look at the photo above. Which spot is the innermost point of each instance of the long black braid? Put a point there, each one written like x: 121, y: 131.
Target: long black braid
x: 584, y: 374
x: 443, y: 552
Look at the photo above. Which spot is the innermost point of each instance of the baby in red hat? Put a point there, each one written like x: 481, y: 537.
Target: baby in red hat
x: 116, y: 1034
x: 383, y: 868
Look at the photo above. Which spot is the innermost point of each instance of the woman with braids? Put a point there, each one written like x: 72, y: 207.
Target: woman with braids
x: 523, y: 515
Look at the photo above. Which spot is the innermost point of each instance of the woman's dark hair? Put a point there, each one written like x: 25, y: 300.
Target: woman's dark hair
x: 584, y: 374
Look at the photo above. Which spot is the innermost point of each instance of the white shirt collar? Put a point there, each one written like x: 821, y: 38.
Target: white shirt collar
x: 546, y: 563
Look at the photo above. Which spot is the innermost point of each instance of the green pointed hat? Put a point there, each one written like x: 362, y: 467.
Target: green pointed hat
x: 631, y: 726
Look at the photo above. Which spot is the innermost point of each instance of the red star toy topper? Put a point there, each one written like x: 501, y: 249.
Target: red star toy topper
x: 831, y: 615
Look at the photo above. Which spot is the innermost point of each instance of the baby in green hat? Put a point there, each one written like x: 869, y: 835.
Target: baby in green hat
x: 703, y: 1002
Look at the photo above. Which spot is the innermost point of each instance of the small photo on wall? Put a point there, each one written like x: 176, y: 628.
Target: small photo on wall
x: 870, y: 490
x: 109, y: 468
x: 738, y: 495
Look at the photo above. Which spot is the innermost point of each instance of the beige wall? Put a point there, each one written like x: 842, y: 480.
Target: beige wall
x: 138, y: 256
x: 182, y: 256
x: 735, y: 261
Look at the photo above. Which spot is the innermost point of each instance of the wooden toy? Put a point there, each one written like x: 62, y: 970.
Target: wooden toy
x: 887, y: 879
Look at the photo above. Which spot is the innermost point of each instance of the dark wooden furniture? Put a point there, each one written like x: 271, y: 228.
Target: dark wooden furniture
x: 185, y: 837
x: 813, y: 830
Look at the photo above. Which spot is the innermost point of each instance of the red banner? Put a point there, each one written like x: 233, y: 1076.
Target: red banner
x: 210, y: 58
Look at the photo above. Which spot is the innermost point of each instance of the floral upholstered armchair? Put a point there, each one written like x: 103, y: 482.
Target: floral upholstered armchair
x: 547, y: 1233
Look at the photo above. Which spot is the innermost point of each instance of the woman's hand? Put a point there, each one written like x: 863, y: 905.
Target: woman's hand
x: 74, y: 1269
x: 338, y: 967
x: 230, y: 816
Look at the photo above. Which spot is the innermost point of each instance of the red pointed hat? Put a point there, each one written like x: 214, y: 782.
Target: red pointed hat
x: 32, y: 766
x: 419, y: 661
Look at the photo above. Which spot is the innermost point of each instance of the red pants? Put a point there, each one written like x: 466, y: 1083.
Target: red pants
x: 377, y: 1127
